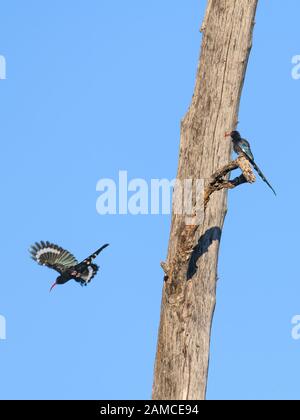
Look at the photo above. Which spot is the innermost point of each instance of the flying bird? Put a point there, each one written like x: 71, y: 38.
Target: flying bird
x: 242, y: 147
x: 53, y: 256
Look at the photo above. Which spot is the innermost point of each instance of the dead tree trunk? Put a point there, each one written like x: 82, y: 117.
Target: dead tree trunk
x: 189, y: 291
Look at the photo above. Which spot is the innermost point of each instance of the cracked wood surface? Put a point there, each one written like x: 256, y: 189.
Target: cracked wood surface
x: 189, y: 290
x: 219, y: 182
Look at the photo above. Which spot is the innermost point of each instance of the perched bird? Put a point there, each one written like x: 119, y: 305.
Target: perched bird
x: 53, y: 256
x: 242, y: 147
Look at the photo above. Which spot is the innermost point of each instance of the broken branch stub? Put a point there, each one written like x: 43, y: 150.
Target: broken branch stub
x: 218, y: 180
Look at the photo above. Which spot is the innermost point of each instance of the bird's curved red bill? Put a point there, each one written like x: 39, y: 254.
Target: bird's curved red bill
x: 52, y: 287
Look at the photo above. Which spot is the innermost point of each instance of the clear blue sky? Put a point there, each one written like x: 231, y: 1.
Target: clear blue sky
x: 94, y: 87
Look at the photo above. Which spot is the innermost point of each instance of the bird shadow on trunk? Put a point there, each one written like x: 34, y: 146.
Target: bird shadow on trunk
x: 204, y: 242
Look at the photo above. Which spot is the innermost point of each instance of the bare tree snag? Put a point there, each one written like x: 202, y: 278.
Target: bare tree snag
x: 189, y: 291
x: 219, y: 181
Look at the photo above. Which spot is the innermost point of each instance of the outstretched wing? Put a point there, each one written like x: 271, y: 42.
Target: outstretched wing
x: 85, y: 273
x: 53, y: 256
x: 89, y: 259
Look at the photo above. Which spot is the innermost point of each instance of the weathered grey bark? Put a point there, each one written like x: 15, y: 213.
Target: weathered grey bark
x: 189, y: 291
x: 219, y: 181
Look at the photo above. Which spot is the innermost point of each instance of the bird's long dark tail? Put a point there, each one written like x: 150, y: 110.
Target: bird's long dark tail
x: 94, y: 255
x: 262, y: 176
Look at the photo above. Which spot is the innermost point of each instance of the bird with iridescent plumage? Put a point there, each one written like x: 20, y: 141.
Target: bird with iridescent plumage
x: 57, y: 258
x: 242, y: 148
